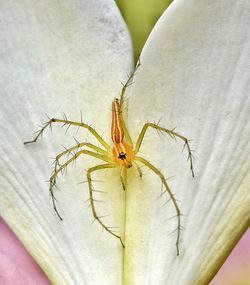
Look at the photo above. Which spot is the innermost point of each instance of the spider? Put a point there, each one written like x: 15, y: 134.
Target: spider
x: 123, y: 155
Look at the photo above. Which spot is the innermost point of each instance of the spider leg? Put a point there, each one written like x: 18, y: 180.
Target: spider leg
x: 164, y: 182
x: 76, y: 147
x: 122, y: 99
x: 138, y: 169
x: 169, y: 132
x: 91, y: 170
x: 69, y: 123
x: 53, y: 177
x: 123, y: 177
x: 128, y: 83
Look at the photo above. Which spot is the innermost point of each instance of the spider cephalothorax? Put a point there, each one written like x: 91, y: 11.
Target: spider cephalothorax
x: 122, y: 155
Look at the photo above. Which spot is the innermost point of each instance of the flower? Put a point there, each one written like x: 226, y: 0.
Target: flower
x: 70, y: 56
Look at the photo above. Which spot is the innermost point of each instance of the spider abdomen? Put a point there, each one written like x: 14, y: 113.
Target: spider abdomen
x: 117, y: 132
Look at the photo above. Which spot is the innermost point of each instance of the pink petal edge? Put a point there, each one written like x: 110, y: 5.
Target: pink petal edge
x: 235, y: 270
x: 17, y: 267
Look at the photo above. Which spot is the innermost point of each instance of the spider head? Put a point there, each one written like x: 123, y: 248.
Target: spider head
x: 123, y: 154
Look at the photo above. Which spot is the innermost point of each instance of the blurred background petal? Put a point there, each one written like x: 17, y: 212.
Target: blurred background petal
x: 235, y: 271
x: 16, y: 265
x: 141, y: 17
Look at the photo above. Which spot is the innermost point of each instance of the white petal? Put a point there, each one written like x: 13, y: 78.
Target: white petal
x: 59, y: 56
x: 194, y: 74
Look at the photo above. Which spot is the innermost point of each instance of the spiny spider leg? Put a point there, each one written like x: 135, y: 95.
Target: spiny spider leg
x: 57, y: 171
x: 90, y: 170
x: 128, y: 82
x: 123, y: 92
x: 67, y: 122
x: 69, y: 150
x: 123, y: 177
x: 171, y: 133
x: 163, y: 179
x: 138, y: 169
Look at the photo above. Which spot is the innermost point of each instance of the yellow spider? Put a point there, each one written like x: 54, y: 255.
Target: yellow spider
x: 123, y: 155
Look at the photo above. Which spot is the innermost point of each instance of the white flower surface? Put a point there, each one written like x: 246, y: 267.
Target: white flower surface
x: 61, y: 56
x: 194, y: 76
x: 56, y: 57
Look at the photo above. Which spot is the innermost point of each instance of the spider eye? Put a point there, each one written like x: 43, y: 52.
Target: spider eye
x: 122, y: 155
